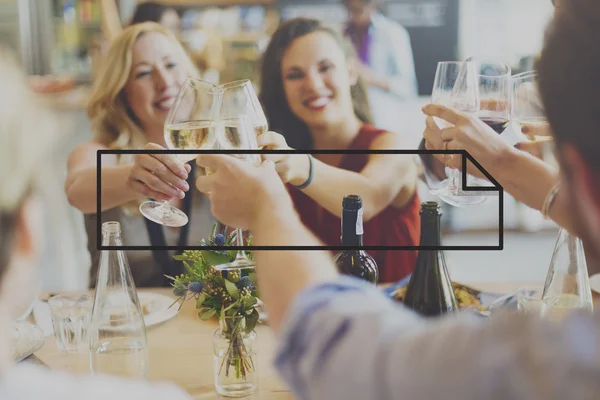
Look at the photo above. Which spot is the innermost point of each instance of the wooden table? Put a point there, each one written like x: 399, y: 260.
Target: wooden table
x: 180, y: 351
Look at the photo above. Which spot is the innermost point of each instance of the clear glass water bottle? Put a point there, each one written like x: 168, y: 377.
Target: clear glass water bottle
x: 118, y: 344
x: 567, y: 286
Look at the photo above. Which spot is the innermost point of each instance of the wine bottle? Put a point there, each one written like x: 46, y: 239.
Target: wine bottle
x: 430, y: 291
x: 356, y: 263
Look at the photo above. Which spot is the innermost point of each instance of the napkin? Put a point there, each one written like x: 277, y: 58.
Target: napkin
x: 41, y: 312
x: 26, y: 340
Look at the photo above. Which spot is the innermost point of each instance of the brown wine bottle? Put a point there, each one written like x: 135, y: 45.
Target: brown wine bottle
x: 430, y: 291
x: 356, y: 263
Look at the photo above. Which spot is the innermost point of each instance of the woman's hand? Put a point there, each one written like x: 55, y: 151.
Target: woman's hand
x: 466, y: 133
x: 291, y: 168
x: 159, y: 176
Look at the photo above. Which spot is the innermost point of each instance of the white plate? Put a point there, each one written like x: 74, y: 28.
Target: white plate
x: 158, y: 308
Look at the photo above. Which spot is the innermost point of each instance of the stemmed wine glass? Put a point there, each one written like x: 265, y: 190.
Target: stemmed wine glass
x: 527, y: 110
x: 494, y: 94
x: 455, y: 86
x: 241, y: 121
x: 190, y: 125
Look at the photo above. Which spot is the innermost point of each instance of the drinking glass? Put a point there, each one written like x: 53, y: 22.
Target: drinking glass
x: 494, y: 79
x: 455, y: 86
x: 190, y: 125
x: 529, y: 300
x: 71, y: 315
x: 527, y: 110
x: 241, y: 121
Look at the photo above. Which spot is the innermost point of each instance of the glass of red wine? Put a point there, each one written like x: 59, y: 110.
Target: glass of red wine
x: 494, y: 93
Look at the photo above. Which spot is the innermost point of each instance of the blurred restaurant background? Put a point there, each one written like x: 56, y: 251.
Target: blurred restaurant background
x: 60, y: 44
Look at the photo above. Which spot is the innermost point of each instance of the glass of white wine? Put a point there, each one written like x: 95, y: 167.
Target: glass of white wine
x: 241, y: 121
x: 527, y: 110
x: 191, y: 125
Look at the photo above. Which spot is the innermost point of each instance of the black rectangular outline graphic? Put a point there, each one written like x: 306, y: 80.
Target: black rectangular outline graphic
x: 495, y: 188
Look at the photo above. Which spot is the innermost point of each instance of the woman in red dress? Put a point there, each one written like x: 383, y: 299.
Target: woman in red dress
x: 312, y: 95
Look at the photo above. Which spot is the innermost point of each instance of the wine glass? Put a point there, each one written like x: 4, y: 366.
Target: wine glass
x: 527, y: 110
x: 494, y: 94
x: 455, y: 86
x: 190, y: 125
x: 241, y: 121
x: 494, y: 89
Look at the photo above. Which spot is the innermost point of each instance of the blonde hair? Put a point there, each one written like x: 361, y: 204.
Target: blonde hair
x: 113, y: 121
x: 27, y: 133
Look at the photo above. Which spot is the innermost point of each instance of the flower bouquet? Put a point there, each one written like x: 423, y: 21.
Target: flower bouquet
x: 232, y: 297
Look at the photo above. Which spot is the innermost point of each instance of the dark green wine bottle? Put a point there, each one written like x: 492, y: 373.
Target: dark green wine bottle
x: 355, y: 262
x: 430, y: 291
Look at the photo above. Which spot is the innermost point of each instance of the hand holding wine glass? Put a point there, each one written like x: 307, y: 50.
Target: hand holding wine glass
x: 190, y: 125
x: 159, y: 176
x: 467, y: 132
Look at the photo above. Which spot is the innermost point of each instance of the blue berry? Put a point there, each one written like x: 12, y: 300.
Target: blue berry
x: 245, y: 283
x: 219, y: 239
x: 196, y: 287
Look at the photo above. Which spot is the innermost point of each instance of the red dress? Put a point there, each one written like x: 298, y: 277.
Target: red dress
x: 391, y: 227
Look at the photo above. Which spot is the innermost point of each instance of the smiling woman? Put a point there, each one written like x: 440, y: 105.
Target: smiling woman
x: 313, y: 95
x: 141, y: 74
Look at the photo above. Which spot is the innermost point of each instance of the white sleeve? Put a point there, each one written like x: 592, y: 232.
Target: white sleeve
x: 403, y: 83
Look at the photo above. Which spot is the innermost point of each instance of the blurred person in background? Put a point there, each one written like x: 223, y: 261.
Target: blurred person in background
x: 342, y: 338
x: 386, y: 59
x: 135, y: 89
x: 150, y: 11
x: 313, y: 97
x: 23, y: 157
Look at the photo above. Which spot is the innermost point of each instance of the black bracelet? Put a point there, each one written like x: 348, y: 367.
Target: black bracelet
x: 310, y: 174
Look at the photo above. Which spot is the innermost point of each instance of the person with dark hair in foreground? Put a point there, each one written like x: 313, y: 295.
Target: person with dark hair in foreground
x: 340, y: 338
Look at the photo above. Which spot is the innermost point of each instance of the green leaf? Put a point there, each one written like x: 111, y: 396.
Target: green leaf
x: 250, y: 302
x: 213, y: 233
x: 252, y: 277
x: 232, y: 236
x: 188, y: 268
x: 214, y: 258
x: 213, y: 302
x: 232, y: 305
x: 232, y: 289
x: 206, y: 314
x: 231, y: 254
x: 180, y: 258
x: 200, y: 300
x: 251, y: 321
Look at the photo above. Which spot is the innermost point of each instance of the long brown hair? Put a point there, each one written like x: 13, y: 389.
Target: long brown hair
x: 279, y: 115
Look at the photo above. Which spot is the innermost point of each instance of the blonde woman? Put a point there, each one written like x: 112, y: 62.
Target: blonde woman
x: 23, y: 158
x: 135, y: 88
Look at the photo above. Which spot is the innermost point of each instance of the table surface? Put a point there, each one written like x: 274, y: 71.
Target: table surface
x: 180, y: 351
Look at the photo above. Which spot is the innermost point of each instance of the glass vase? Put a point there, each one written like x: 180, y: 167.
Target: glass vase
x: 234, y: 351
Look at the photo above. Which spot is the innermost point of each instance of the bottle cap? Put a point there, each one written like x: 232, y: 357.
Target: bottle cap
x: 352, y: 202
x: 431, y: 207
